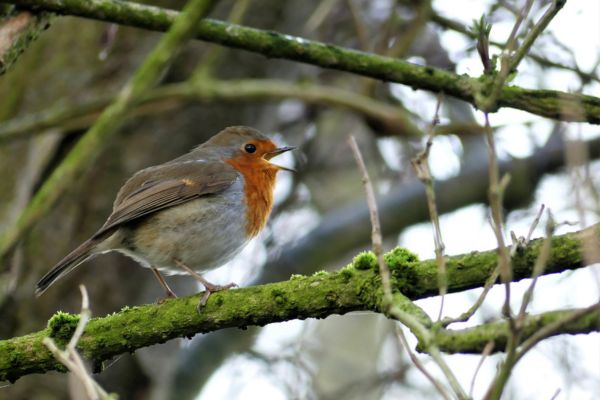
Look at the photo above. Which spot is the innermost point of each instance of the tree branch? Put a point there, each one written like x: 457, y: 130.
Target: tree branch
x: 547, y: 103
x: 392, y: 119
x: 17, y: 32
x: 356, y: 287
x: 474, y: 340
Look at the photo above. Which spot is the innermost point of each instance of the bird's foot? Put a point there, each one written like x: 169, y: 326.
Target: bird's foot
x: 209, y: 289
x: 169, y: 294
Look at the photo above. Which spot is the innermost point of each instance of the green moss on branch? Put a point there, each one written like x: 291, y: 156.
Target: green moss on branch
x: 355, y: 287
x: 17, y: 31
x: 547, y: 103
x: 134, y: 327
x: 473, y: 340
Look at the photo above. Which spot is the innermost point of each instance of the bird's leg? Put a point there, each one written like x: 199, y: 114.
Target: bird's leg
x: 168, y: 292
x: 209, y: 287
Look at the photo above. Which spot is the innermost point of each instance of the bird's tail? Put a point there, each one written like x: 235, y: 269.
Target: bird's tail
x: 66, y: 265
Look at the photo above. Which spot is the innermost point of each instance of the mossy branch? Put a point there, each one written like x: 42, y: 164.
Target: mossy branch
x: 547, y: 103
x: 17, y: 31
x: 356, y: 287
x: 474, y: 340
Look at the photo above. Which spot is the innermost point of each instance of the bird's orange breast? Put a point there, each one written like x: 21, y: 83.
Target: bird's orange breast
x: 259, y: 182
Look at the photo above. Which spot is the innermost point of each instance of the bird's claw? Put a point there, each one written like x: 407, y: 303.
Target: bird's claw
x: 209, y: 289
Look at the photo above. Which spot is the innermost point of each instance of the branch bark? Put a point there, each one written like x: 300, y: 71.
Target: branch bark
x: 547, y: 103
x: 356, y: 287
x: 474, y: 340
x: 392, y: 119
x: 17, y: 32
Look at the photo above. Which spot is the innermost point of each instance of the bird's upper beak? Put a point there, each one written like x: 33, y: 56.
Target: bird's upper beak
x: 278, y: 151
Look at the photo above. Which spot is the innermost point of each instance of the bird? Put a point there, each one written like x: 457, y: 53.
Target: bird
x: 189, y: 215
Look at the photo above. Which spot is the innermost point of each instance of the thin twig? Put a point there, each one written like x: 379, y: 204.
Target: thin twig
x: 495, y: 198
x: 516, y: 325
x: 376, y: 239
x: 484, y: 354
x: 555, y: 395
x: 496, y: 192
x: 413, y: 323
x: 536, y: 31
x: 71, y: 359
x: 421, y: 166
x: 473, y: 309
x: 493, y: 277
x: 505, y: 60
x: 535, y: 223
x: 540, y: 60
x: 538, y: 269
x: 511, y: 62
x: 415, y: 360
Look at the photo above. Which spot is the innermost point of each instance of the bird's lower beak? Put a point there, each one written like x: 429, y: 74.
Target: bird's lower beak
x: 278, y: 151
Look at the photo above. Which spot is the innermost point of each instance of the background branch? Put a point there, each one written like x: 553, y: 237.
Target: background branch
x: 547, y: 103
x: 17, y: 31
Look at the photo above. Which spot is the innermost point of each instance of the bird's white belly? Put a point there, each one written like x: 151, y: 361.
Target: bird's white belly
x: 203, y: 234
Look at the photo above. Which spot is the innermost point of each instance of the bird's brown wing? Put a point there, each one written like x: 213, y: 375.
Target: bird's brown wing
x: 167, y: 185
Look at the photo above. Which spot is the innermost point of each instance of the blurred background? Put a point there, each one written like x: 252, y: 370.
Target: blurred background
x: 321, y: 219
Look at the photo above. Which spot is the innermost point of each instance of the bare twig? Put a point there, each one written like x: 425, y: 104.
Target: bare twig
x: 413, y: 323
x: 517, y: 325
x: 484, y: 354
x: 415, y: 360
x: 71, y: 359
x: 376, y: 238
x: 489, y: 102
x: 535, y: 223
x: 540, y: 60
x: 509, y: 62
x: 538, y: 269
x: 473, y: 309
x: 496, y: 192
x: 535, y: 32
x: 319, y: 15
x: 493, y: 277
x: 421, y: 166
x: 403, y: 42
x: 495, y: 198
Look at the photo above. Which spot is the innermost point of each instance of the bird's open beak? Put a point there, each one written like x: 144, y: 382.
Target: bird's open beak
x: 278, y: 151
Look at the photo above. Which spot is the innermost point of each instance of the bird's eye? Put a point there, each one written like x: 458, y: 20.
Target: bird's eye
x: 250, y: 148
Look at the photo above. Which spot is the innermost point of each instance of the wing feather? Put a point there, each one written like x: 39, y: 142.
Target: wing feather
x: 165, y: 186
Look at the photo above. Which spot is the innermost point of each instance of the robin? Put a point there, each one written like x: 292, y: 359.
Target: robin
x: 191, y: 214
